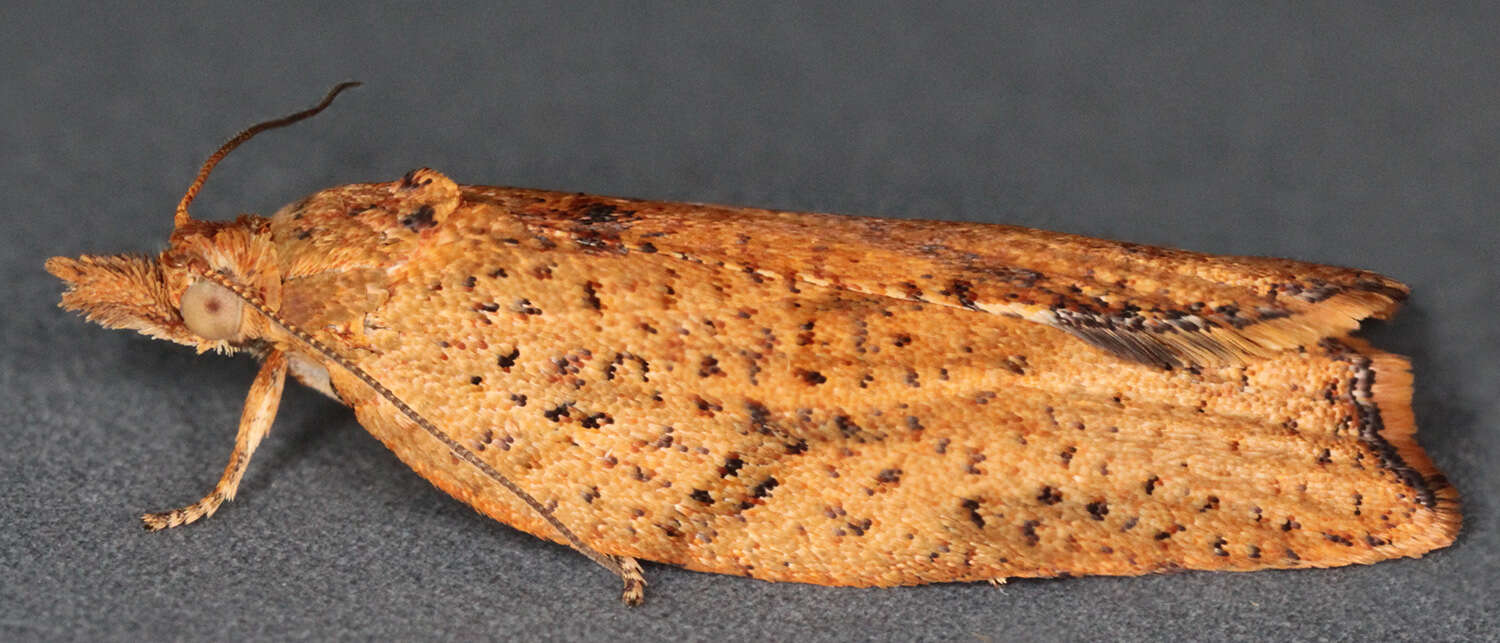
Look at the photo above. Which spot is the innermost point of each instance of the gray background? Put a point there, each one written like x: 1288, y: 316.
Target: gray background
x: 1364, y: 137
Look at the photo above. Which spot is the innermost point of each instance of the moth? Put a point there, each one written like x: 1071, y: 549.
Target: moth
x: 809, y: 397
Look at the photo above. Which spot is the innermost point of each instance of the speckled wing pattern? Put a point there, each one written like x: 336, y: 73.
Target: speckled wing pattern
x: 1155, y: 305
x: 853, y: 401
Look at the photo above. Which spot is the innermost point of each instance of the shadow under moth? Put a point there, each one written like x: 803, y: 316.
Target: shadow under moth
x: 809, y: 397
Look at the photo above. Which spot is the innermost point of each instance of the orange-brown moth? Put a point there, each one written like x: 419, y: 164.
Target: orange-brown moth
x: 810, y: 397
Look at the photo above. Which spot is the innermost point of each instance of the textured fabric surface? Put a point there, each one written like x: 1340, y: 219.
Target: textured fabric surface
x: 1361, y: 137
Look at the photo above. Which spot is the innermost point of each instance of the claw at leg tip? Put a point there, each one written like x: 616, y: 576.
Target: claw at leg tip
x: 634, y: 595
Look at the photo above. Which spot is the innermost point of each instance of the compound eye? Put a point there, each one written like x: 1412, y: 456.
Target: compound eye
x: 211, y: 311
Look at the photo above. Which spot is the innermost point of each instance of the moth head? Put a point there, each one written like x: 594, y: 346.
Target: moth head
x: 128, y: 291
x: 178, y: 296
x: 170, y: 296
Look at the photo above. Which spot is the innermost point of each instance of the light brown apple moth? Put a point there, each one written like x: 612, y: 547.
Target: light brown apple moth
x: 810, y: 397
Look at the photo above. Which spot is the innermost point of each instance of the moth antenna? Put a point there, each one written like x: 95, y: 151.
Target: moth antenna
x: 611, y: 563
x: 182, y: 216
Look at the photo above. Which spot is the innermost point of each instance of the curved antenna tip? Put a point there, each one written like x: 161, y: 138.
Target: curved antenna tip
x: 181, y: 217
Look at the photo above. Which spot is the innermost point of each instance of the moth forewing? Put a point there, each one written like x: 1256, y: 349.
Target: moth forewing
x: 704, y: 411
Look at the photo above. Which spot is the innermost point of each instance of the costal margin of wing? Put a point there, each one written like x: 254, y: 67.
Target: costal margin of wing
x: 1161, y: 306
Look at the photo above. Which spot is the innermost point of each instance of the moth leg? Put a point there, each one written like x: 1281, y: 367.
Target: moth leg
x: 255, y: 421
x: 635, y: 581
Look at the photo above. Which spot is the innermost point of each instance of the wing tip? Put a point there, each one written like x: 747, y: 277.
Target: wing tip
x: 1391, y: 393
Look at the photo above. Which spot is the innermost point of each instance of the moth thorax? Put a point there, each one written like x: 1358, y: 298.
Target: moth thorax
x: 212, y: 311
